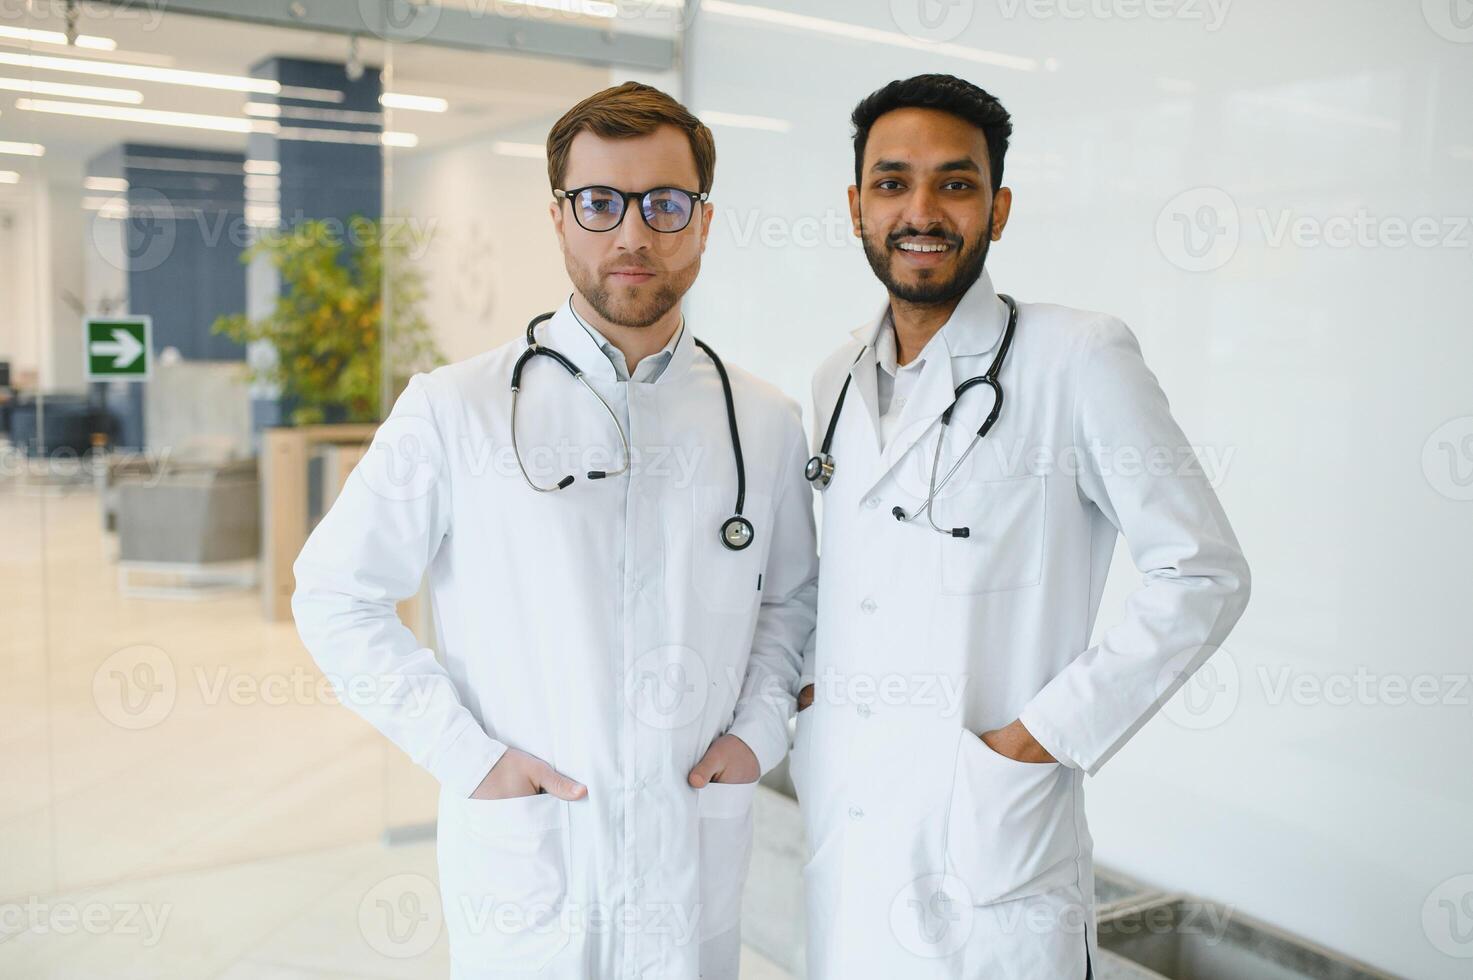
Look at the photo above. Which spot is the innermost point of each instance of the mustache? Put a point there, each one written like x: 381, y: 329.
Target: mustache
x: 630, y: 265
x: 892, y: 239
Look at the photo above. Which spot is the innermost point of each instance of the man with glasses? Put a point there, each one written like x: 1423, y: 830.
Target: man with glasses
x: 622, y: 592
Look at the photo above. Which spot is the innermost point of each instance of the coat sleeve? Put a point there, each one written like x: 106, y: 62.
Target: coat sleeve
x: 786, y: 616
x: 368, y: 553
x: 1195, y: 581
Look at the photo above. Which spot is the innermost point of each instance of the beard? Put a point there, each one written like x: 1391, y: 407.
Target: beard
x: 631, y: 306
x: 928, y: 291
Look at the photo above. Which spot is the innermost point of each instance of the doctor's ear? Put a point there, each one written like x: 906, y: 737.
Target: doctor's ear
x: 854, y: 217
x: 1002, y: 206
x: 555, y: 212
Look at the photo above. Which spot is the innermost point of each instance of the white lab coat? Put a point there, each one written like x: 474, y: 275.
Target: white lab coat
x: 602, y: 628
x: 931, y: 854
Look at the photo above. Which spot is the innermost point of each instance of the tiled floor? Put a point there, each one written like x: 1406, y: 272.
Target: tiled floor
x: 178, y: 796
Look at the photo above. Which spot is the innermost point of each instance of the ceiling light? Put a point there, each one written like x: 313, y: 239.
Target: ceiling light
x: 157, y: 117
x: 9, y: 177
x: 143, y: 73
x: 57, y: 37
x: 838, y: 28
x: 740, y: 121
x: 22, y: 149
x: 131, y: 96
x: 418, y: 103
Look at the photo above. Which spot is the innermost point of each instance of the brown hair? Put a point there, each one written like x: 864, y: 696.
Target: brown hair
x: 631, y: 109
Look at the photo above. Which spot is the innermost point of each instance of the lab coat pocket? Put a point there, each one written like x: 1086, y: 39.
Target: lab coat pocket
x: 725, y: 580
x: 1005, y: 547
x: 1010, y: 827
x: 503, y: 879
x: 725, y: 811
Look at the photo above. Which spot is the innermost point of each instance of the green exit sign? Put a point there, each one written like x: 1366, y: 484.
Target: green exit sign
x: 118, y: 348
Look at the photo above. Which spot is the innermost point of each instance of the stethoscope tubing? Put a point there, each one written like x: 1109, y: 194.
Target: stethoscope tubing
x: 736, y: 531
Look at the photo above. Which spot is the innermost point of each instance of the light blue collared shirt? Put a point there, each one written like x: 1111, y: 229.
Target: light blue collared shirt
x: 649, y: 368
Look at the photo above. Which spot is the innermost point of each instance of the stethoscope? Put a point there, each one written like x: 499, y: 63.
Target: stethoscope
x: 820, y: 469
x: 736, y: 531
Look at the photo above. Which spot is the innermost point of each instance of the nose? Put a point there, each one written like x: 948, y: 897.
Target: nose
x: 633, y: 233
x: 922, y: 209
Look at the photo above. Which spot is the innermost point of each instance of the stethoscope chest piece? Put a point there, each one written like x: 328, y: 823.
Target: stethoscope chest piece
x: 820, y: 470
x: 737, y: 532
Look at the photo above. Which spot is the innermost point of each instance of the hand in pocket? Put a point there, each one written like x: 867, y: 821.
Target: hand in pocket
x: 728, y: 760
x: 518, y: 774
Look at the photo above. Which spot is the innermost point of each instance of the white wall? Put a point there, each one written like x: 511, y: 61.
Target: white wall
x: 1326, y: 381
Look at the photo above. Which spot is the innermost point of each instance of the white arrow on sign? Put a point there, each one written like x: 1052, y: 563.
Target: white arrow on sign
x: 124, y: 347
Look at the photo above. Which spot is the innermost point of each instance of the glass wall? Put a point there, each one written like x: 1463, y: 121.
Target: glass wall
x: 224, y: 248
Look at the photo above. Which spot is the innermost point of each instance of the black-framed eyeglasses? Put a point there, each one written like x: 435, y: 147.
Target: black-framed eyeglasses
x: 600, y: 208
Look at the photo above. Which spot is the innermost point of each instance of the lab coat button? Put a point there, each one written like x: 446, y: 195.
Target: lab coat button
x: 855, y: 812
x: 863, y: 710
x: 872, y: 503
x: 637, y: 884
x: 869, y: 605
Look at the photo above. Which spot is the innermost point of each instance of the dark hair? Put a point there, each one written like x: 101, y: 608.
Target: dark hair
x: 631, y: 109
x: 948, y: 94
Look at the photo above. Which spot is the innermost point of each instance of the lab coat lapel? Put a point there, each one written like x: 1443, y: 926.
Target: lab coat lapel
x: 566, y: 335
x: 975, y: 327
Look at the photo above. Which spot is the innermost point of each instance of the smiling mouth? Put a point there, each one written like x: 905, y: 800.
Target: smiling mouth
x: 923, y: 246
